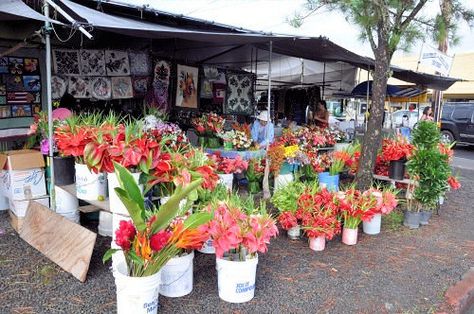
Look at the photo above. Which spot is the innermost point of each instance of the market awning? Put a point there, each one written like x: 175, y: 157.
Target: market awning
x: 392, y: 90
x: 12, y: 10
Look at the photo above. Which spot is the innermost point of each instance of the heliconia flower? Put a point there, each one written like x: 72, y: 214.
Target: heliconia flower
x: 142, y: 246
x: 287, y: 220
x: 124, y: 234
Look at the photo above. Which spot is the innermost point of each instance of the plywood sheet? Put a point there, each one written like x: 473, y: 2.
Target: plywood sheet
x: 66, y: 243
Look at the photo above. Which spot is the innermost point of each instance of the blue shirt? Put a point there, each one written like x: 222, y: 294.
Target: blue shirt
x: 263, y: 135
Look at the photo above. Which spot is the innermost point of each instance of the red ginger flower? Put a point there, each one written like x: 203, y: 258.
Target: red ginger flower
x: 159, y: 240
x: 454, y: 183
x: 287, y: 220
x: 124, y: 234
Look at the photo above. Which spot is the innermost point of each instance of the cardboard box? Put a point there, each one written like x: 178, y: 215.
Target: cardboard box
x: 15, y: 221
x: 19, y: 207
x: 22, y: 175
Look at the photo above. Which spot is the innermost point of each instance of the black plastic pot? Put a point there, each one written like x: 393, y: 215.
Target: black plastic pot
x: 64, y: 171
x: 397, y: 169
x: 412, y: 220
x: 425, y: 217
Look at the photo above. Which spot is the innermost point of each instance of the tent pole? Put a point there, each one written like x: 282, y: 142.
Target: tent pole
x: 266, y: 187
x: 324, y: 78
x: 47, y: 30
x: 269, y: 83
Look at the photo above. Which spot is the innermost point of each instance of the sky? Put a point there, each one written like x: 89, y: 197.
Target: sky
x: 272, y: 15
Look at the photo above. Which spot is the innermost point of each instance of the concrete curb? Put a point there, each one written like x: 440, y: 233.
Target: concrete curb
x: 460, y: 297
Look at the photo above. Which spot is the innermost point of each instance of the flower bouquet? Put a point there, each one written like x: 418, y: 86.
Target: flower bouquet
x: 226, y: 167
x: 396, y: 152
x: 148, y: 241
x: 385, y: 202
x: 241, y: 141
x: 239, y: 231
x: 285, y: 200
x: 254, y: 175
x: 227, y: 137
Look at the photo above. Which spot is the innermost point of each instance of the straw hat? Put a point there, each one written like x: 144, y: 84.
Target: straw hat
x: 263, y: 116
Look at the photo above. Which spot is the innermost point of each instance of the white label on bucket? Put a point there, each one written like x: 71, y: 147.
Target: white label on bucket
x: 151, y: 307
x: 244, y: 287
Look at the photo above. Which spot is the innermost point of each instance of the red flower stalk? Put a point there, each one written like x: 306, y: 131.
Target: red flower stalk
x: 124, y: 234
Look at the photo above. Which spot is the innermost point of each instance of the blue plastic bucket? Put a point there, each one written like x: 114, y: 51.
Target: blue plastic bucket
x: 331, y: 182
x: 286, y: 168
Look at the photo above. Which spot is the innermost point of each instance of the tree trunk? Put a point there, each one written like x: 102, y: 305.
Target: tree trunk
x: 373, y: 135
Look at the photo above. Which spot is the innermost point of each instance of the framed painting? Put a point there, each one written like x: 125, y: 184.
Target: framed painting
x: 186, y: 88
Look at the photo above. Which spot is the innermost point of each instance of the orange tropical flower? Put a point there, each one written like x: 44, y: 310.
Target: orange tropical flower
x: 142, y: 246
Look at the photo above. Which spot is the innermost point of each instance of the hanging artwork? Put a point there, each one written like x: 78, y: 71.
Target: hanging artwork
x: 15, y: 65
x: 101, y: 87
x: 116, y: 63
x: 140, y: 85
x: 161, y: 81
x: 36, y: 108
x: 5, y: 111
x: 186, y: 94
x: 3, y: 64
x: 66, y: 62
x: 211, y: 74
x: 218, y: 93
x: 23, y: 97
x: 32, y: 83
x: 239, y: 98
x: 122, y: 87
x: 139, y: 63
x: 3, y: 100
x: 21, y: 110
x: 58, y: 87
x: 79, y: 87
x: 14, y: 82
x: 3, y: 89
x: 92, y: 62
x: 31, y: 66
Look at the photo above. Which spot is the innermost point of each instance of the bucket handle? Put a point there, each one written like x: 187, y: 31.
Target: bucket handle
x: 181, y: 276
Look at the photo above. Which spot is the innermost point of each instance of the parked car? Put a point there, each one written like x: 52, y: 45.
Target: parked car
x: 457, y: 122
x: 395, y: 119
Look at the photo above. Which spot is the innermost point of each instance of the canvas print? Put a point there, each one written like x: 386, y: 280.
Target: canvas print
x: 79, y: 87
x: 139, y: 63
x: 122, y: 87
x: 3, y: 64
x: 3, y: 89
x: 140, y: 85
x: 101, y: 88
x: 5, y: 111
x: 161, y: 81
x: 66, y: 62
x: 36, y: 108
x: 92, y: 62
x: 14, y: 82
x: 31, y: 66
x: 3, y: 100
x: 186, y: 94
x: 239, y: 98
x: 116, y: 63
x: 32, y: 83
x: 58, y: 86
x: 15, y: 65
x: 22, y: 97
x: 21, y: 111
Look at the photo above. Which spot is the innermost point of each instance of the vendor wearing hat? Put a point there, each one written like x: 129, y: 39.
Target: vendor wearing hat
x: 263, y: 130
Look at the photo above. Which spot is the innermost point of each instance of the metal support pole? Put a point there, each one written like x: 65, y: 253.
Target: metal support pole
x: 269, y: 84
x: 324, y: 79
x: 47, y: 30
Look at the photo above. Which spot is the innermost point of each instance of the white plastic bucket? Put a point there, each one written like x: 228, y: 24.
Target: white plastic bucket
x: 372, y: 226
x: 137, y: 295
x: 74, y: 216
x: 208, y: 247
x: 89, y: 185
x: 105, y: 224
x: 236, y: 280
x: 118, y: 256
x: 317, y: 244
x: 283, y: 180
x: 115, y: 203
x: 340, y: 146
x: 66, y: 203
x: 294, y: 232
x: 177, y: 276
x: 226, y: 179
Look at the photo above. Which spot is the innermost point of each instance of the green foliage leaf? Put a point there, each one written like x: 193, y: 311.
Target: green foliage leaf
x: 108, y: 255
x: 197, y: 219
x: 129, y: 185
x: 134, y: 210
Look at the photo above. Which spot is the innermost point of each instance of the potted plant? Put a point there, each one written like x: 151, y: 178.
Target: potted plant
x: 335, y: 163
x: 286, y: 201
x: 148, y: 242
x: 254, y: 175
x: 386, y: 202
x: 239, y: 231
x: 396, y: 151
x: 320, y: 220
x: 226, y: 167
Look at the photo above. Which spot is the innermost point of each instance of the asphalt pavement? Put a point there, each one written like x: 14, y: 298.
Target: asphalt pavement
x: 464, y: 157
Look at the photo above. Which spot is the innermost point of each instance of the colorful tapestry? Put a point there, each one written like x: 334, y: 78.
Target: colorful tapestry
x: 116, y: 63
x: 79, y: 87
x: 122, y: 87
x: 3, y: 89
x: 186, y: 93
x: 32, y: 83
x: 31, y: 66
x: 92, y: 62
x: 15, y: 65
x: 23, y: 97
x: 4, y: 65
x: 58, y: 86
x: 139, y: 63
x: 140, y: 85
x: 66, y: 62
x: 5, y: 111
x: 3, y: 100
x: 161, y: 81
x: 101, y: 87
x: 14, y: 82
x: 239, y: 98
x: 21, y: 111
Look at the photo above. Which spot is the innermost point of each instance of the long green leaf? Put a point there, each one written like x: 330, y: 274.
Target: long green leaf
x: 169, y: 210
x: 133, y: 209
x: 128, y: 183
x: 196, y: 220
x: 108, y: 255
